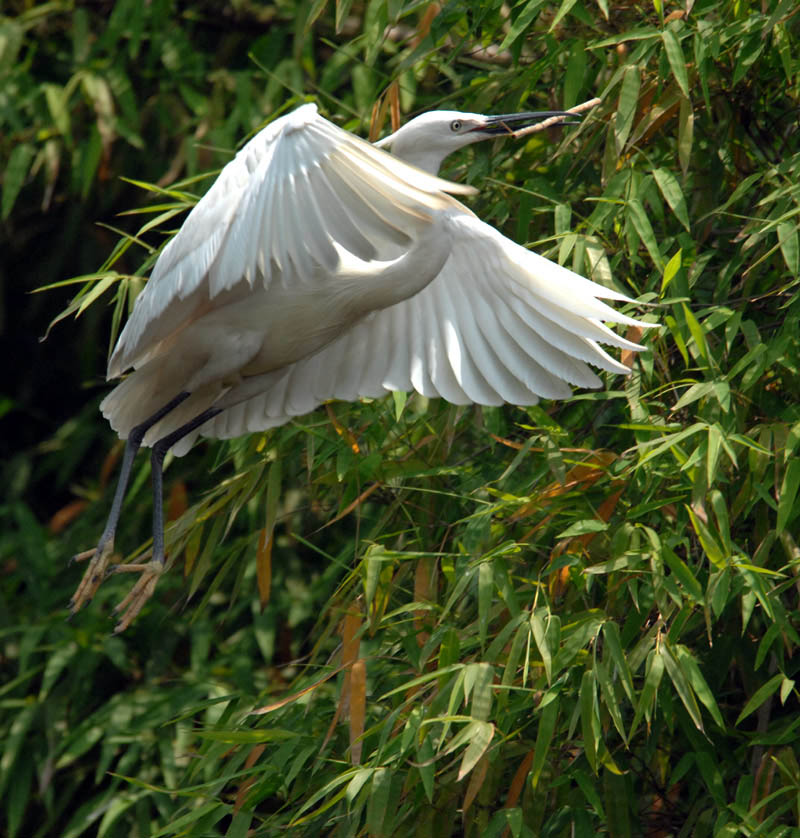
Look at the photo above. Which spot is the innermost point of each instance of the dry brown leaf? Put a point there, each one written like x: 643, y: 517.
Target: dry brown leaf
x: 518, y: 782
x: 476, y: 779
x: 342, y: 431
x: 252, y: 757
x: 627, y: 356
x: 178, y: 501
x: 423, y: 591
x: 268, y: 708
x: 66, y: 515
x: 358, y: 708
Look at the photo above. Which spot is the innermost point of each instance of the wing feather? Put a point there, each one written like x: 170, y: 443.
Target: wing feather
x: 371, y: 219
x: 419, y: 334
x: 395, y: 328
x: 277, y: 236
x: 261, y: 217
x: 376, y: 368
x: 491, y: 328
x: 498, y: 324
x: 445, y: 351
x: 474, y: 361
x: 338, y: 214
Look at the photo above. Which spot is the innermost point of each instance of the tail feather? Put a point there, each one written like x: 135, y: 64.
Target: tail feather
x: 139, y: 396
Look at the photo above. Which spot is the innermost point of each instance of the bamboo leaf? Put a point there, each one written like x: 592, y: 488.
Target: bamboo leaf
x: 539, y: 635
x: 17, y: 167
x: 787, y: 506
x: 626, y: 107
x: 698, y: 683
x: 565, y: 7
x: 673, y: 195
x: 485, y: 593
x: 425, y: 766
x: 680, y: 681
x: 481, y: 706
x: 480, y: 737
x: 521, y: 23
x: 645, y: 230
x: 544, y: 736
x: 671, y: 269
x: 611, y: 635
x: 647, y: 697
x: 685, y: 134
x: 378, y: 802
x: 696, y: 331
x: 709, y: 544
x: 677, y: 61
x: 610, y: 698
x: 590, y: 723
x: 573, y: 78
x: 761, y: 695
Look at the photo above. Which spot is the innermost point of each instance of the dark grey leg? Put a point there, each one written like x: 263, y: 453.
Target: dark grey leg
x: 150, y: 571
x: 101, y: 554
x: 159, y: 451
x: 132, y: 445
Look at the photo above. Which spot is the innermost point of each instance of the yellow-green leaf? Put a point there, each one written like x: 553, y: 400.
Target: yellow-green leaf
x: 677, y: 60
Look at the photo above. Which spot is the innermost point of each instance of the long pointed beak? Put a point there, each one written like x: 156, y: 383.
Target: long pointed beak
x: 507, y: 123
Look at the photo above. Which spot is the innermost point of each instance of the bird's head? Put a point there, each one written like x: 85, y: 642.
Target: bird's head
x: 427, y: 139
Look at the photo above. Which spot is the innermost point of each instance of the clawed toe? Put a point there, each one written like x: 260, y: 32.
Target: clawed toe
x: 99, y: 568
x: 81, y: 557
x: 93, y: 575
x: 140, y: 593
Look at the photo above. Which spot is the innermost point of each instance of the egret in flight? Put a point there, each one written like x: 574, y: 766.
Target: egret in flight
x: 321, y: 267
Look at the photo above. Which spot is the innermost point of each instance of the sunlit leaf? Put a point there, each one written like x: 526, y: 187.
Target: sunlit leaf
x: 480, y: 736
x: 647, y: 697
x: 626, y: 107
x: 671, y: 269
x: 677, y: 61
x: 521, y: 22
x: 645, y: 230
x: 685, y: 134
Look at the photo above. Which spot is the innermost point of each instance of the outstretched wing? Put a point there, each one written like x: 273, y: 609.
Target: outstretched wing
x: 299, y: 190
x: 498, y: 324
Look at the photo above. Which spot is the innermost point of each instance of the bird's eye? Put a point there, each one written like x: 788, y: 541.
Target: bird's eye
x: 455, y: 125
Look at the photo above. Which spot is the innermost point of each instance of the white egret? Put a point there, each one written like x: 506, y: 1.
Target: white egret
x: 321, y: 267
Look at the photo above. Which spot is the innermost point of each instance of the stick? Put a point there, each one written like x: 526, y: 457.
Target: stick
x: 556, y: 120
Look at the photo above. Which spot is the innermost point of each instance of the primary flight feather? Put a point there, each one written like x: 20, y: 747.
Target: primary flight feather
x: 321, y: 267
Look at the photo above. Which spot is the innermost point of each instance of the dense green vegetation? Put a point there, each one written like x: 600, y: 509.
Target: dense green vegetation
x: 400, y: 617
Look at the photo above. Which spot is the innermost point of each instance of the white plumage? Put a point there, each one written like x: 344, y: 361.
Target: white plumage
x: 320, y: 267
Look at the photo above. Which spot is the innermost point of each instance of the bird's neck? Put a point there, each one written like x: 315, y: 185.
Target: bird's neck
x: 408, y: 147
x: 429, y: 160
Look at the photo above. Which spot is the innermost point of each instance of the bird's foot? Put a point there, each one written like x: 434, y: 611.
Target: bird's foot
x: 94, y: 574
x: 139, y: 593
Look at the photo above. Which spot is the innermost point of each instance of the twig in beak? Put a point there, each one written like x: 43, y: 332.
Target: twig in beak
x: 555, y: 120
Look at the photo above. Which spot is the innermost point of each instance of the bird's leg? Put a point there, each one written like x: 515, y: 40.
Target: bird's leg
x: 101, y: 554
x: 150, y: 571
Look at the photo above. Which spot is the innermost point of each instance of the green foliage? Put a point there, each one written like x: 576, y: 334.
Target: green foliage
x: 407, y: 617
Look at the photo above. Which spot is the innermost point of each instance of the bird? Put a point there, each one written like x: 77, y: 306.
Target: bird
x: 319, y: 266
